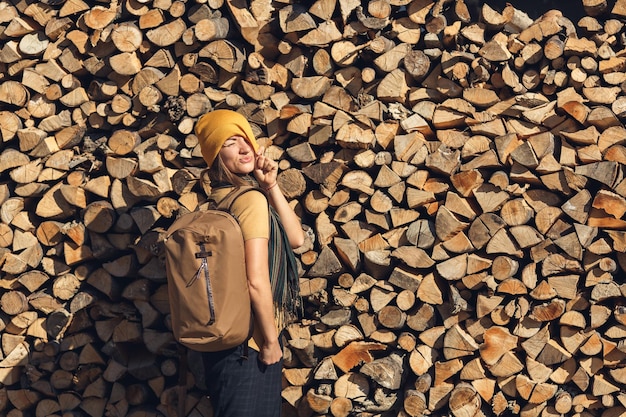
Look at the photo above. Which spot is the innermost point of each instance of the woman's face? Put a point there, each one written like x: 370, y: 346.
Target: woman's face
x: 237, y: 155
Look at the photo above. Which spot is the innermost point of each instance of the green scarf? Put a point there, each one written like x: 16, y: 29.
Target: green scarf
x: 283, y: 274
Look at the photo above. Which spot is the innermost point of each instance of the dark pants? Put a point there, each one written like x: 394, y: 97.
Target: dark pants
x: 242, y: 387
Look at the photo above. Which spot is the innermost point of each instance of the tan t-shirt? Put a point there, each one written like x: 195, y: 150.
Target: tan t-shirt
x: 252, y: 212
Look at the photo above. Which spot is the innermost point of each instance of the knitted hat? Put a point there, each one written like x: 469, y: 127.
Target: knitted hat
x: 215, y: 127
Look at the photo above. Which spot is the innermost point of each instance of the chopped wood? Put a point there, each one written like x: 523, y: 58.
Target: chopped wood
x: 459, y: 174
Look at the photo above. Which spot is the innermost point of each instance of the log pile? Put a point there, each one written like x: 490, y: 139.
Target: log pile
x: 460, y: 176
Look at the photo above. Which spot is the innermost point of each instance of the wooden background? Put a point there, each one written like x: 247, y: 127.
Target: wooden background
x: 460, y: 175
x: 574, y: 10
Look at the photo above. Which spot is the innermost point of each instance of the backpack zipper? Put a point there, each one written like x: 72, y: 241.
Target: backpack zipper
x: 205, y: 266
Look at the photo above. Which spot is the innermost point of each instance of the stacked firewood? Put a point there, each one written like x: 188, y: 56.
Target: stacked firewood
x: 460, y: 176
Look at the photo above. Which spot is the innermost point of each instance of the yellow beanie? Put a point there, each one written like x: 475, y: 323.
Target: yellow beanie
x: 215, y: 127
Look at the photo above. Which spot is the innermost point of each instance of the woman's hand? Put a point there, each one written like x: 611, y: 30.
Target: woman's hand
x: 265, y: 169
x: 270, y: 353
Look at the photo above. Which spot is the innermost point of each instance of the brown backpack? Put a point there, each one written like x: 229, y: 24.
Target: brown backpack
x: 206, y: 275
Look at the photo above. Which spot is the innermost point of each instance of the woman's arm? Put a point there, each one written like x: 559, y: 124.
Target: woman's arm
x: 257, y: 269
x: 266, y: 174
x: 288, y: 217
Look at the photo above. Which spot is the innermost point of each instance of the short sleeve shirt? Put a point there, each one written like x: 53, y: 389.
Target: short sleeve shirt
x: 251, y: 211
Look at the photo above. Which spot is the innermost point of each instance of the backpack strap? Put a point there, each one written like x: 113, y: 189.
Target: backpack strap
x: 226, y: 204
x: 230, y: 198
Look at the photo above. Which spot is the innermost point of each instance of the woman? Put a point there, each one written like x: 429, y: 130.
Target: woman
x: 252, y: 387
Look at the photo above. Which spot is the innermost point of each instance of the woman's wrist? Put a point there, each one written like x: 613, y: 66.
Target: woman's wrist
x: 272, y: 342
x: 271, y: 186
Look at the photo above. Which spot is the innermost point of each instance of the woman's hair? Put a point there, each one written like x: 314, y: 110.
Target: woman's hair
x: 218, y: 174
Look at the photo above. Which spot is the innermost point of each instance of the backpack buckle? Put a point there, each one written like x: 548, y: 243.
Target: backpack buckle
x: 203, y: 253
